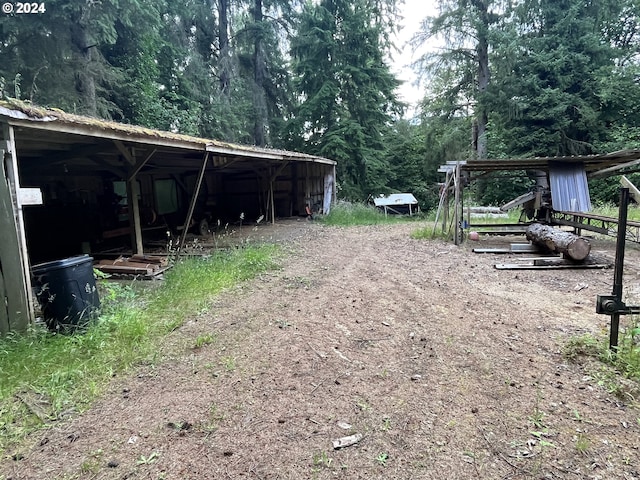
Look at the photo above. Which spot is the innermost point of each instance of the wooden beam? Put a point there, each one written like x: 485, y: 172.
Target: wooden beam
x: 273, y: 203
x: 20, y: 301
x: 605, y: 171
x: 134, y: 216
x: 128, y: 156
x: 456, y: 208
x: 194, y: 199
x: 138, y: 166
x: 118, y: 172
x: 633, y: 190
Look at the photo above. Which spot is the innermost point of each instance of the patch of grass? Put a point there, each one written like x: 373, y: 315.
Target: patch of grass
x: 382, y: 459
x: 428, y: 233
x: 48, y: 376
x: 205, y: 339
x: 620, y: 370
x: 586, y: 345
x: 322, y: 459
x: 582, y: 443
x: 148, y: 460
x: 345, y: 214
x: 229, y: 363
x: 386, y: 424
x: 611, y: 210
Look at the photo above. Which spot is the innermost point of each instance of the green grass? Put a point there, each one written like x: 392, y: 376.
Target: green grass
x: 513, y: 217
x: 46, y: 376
x: 624, y: 363
x: 347, y: 214
x: 611, y: 210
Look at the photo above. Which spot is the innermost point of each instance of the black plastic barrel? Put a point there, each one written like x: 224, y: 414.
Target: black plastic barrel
x: 67, y: 293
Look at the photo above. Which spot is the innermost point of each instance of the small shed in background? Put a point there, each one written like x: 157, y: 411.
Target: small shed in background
x: 398, y: 203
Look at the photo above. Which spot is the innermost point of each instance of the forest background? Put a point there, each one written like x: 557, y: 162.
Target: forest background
x: 510, y: 78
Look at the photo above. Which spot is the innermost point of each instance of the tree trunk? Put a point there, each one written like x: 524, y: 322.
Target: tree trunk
x: 223, y: 39
x: 85, y: 81
x: 559, y: 241
x: 260, y: 66
x: 484, y: 76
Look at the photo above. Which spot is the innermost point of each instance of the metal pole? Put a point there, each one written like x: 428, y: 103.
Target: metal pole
x: 619, y: 265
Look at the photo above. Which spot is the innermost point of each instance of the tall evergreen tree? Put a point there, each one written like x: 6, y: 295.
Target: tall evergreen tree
x: 262, y: 39
x: 465, y: 26
x: 56, y: 58
x: 347, y: 91
x: 553, y: 63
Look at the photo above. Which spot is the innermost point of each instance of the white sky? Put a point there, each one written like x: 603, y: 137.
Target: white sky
x: 413, y: 11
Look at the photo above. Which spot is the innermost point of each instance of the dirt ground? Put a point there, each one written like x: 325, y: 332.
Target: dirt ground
x: 445, y: 366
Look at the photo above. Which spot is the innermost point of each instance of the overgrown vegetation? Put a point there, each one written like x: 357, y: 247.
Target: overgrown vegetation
x: 513, y: 216
x: 347, y: 214
x: 46, y: 377
x: 616, y: 366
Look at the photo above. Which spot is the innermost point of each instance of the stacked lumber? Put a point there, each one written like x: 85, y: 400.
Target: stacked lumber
x: 148, y: 265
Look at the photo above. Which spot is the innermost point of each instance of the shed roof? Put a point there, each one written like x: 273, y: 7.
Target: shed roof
x: 75, y: 135
x: 594, y: 165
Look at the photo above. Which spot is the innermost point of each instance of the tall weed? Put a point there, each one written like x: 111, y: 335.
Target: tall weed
x: 46, y: 376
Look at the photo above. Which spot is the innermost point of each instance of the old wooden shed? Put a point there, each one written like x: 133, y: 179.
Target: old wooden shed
x: 71, y: 184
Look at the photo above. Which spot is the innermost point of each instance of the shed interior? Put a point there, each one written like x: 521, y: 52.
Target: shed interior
x: 85, y: 169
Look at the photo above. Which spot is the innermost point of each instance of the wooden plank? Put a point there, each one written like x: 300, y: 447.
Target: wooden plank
x: 4, y: 313
x: 124, y: 269
x: 513, y: 248
x: 524, y: 248
x: 501, y: 232
x: 491, y: 250
x: 633, y: 190
x: 16, y: 292
x: 528, y: 266
x: 161, y: 260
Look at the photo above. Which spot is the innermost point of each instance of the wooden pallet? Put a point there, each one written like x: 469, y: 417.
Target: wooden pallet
x: 146, y: 265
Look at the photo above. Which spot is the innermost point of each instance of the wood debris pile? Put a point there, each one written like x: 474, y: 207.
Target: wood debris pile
x: 148, y: 265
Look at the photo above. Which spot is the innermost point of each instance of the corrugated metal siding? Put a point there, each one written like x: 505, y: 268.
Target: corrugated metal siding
x: 569, y: 187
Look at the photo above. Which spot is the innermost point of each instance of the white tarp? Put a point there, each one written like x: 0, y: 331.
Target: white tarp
x: 395, y: 199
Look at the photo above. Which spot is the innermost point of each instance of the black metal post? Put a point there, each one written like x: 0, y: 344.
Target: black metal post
x: 619, y: 265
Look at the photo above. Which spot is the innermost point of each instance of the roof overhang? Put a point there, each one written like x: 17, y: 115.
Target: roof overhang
x: 613, y: 163
x: 46, y: 137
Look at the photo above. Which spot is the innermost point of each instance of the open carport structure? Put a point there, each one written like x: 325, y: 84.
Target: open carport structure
x: 561, y: 195
x: 74, y: 184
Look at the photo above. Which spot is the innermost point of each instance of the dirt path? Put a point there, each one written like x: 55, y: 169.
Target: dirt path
x: 449, y: 368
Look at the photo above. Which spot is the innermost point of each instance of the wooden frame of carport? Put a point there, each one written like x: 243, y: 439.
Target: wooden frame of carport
x: 461, y: 172
x: 125, y: 140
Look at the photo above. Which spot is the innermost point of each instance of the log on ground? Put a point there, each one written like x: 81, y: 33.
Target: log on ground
x: 559, y: 241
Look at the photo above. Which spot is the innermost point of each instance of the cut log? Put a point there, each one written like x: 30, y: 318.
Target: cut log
x: 559, y: 241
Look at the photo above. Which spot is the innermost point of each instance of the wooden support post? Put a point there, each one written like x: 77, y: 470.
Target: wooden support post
x: 307, y: 186
x: 192, y: 205
x: 456, y: 212
x: 133, y: 191
x: 16, y: 265
x: 335, y: 183
x: 273, y: 203
x: 295, y: 206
